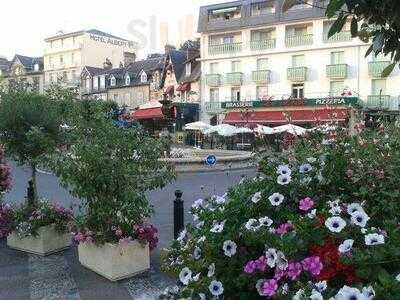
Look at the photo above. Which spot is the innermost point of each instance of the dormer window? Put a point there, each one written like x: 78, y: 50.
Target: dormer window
x: 113, y: 81
x: 143, y: 77
x: 224, y: 14
x: 127, y: 79
x: 88, y: 84
x: 36, y: 67
x: 263, y: 8
x: 301, y: 4
x: 103, y: 82
x: 188, y: 69
x: 95, y: 83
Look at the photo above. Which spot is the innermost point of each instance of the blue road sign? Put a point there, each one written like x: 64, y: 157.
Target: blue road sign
x: 211, y: 160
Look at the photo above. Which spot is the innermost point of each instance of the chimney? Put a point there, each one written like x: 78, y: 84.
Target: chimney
x: 129, y: 58
x: 107, y: 65
x: 169, y: 48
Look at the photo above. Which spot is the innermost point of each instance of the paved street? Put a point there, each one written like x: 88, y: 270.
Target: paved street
x: 24, y: 276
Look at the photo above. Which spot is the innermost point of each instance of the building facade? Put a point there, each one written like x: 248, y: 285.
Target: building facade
x: 254, y: 53
x: 66, y: 54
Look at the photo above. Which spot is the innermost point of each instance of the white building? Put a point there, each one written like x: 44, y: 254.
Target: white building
x: 66, y: 54
x: 252, y: 51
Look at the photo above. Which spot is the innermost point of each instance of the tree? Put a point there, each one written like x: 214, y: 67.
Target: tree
x: 30, y: 128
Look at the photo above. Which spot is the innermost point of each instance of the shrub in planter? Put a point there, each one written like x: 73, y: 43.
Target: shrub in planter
x: 5, y: 174
x: 305, y: 228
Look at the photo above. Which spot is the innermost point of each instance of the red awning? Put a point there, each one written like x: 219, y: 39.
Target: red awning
x: 184, y: 87
x: 281, y: 117
x: 148, y: 113
x: 169, y: 90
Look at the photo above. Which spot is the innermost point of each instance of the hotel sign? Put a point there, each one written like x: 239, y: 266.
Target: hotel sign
x: 112, y: 41
x: 328, y: 101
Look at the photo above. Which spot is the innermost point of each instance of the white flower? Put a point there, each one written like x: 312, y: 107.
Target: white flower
x: 364, y: 230
x: 185, y: 275
x: 284, y: 179
x: 335, y: 224
x: 284, y: 170
x: 195, y: 217
x: 349, y: 293
x: 368, y: 292
x: 276, y: 199
x: 360, y: 219
x: 346, y: 246
x: 285, y: 289
x: 312, y: 214
x: 216, y: 288
x: 265, y: 221
x: 256, y: 197
x: 202, y: 296
x: 321, y: 285
x: 281, y: 261
x: 211, y: 270
x: 196, y: 278
x: 218, y: 227
x: 334, y: 203
x: 202, y: 239
x: 311, y: 160
x: 229, y: 248
x: 196, y: 253
x: 315, y: 295
x: 252, y: 225
x: 398, y: 278
x: 259, y: 284
x: 198, y: 204
x: 199, y: 225
x: 335, y: 210
x: 299, y: 295
x: 373, y: 239
x: 354, y: 207
x: 182, y: 235
x: 306, y: 168
x: 219, y: 200
x: 271, y: 256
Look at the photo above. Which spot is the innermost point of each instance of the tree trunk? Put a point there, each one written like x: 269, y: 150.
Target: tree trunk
x: 33, y: 200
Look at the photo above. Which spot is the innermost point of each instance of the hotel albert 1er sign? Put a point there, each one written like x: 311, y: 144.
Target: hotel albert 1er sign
x: 329, y: 101
x: 112, y: 41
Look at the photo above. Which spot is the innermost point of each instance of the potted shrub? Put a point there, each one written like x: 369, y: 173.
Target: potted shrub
x: 31, y: 132
x: 5, y: 174
x: 110, y: 168
x: 320, y: 221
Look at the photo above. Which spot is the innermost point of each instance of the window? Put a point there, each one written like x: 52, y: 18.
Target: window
x: 298, y: 91
x: 113, y: 81
x: 127, y: 79
x: 88, y: 83
x: 262, y: 35
x: 214, y: 95
x: 235, y: 93
x: 36, y: 67
x: 213, y: 68
x: 96, y: 83
x: 143, y: 77
x: 263, y: 8
x: 72, y: 58
x: 224, y: 13
x: 102, y: 82
x: 188, y: 69
x: 236, y: 66
x: 337, y: 58
x: 228, y: 39
x: 378, y: 87
x: 61, y: 59
x: 262, y: 64
x: 336, y: 88
x: 304, y: 4
x: 262, y: 93
x: 297, y: 61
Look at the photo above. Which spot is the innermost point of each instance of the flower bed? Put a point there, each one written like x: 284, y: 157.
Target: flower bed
x: 321, y: 222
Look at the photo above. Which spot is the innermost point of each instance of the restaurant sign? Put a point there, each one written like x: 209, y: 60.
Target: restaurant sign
x: 328, y: 101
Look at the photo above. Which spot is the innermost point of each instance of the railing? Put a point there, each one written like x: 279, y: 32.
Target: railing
x: 213, y: 107
x: 379, y: 102
x: 299, y: 40
x: 375, y: 68
x: 297, y: 74
x: 213, y: 80
x: 343, y: 36
x: 261, y: 76
x: 224, y: 48
x: 262, y: 44
x: 234, y: 78
x: 337, y: 71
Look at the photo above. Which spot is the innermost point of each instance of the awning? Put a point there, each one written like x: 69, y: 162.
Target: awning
x: 184, y: 87
x: 148, y: 113
x: 169, y: 90
x: 281, y: 117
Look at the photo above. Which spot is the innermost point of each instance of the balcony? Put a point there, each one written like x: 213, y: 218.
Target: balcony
x: 375, y: 68
x: 262, y: 44
x: 234, y: 78
x: 299, y: 40
x: 380, y: 102
x: 261, y: 76
x: 337, y: 71
x: 213, y: 80
x: 297, y: 74
x: 224, y: 48
x: 343, y: 36
x: 213, y: 107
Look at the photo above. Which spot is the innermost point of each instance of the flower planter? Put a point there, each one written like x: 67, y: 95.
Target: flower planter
x: 113, y: 261
x: 47, y: 242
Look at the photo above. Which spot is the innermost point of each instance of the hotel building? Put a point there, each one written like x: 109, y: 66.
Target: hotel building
x: 263, y: 65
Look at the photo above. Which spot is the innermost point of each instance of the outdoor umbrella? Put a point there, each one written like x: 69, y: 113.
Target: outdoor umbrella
x: 290, y: 128
x: 197, y: 126
x: 222, y: 129
x: 264, y: 130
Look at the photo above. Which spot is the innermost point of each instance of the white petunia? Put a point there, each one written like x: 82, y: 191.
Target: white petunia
x: 335, y: 224
x: 312, y: 214
x: 321, y: 286
x: 265, y: 221
x: 284, y: 179
x: 256, y: 197
x: 276, y: 199
x: 252, y: 225
x: 202, y: 239
x: 216, y: 288
x: 315, y: 295
x: 218, y: 227
x: 354, y: 207
x: 281, y: 261
x: 346, y: 246
x: 284, y: 170
x: 219, y: 200
x: 196, y: 253
x: 202, y: 296
x: 306, y: 168
x: 311, y: 160
x: 349, y: 293
x: 374, y: 239
x: 229, y: 248
x: 300, y: 294
x: 185, y: 275
x: 335, y: 210
x: 211, y: 270
x: 199, y: 225
x: 272, y: 256
x: 182, y: 235
x: 359, y: 218
x: 259, y: 284
x: 197, y: 277
x: 198, y: 204
x: 285, y: 289
x: 368, y: 292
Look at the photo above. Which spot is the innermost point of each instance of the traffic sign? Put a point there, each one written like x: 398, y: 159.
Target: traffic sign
x: 211, y: 160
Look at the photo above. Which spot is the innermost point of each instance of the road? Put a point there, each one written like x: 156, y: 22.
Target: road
x: 24, y: 276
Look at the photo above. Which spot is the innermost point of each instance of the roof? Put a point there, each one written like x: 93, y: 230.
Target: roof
x: 29, y: 62
x: 80, y: 32
x: 4, y: 65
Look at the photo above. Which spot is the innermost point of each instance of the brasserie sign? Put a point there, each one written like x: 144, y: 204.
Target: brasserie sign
x: 328, y: 101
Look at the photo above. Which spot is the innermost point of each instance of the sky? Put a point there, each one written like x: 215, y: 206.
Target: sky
x: 24, y: 24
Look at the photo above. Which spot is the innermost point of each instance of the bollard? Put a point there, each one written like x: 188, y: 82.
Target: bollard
x: 178, y: 214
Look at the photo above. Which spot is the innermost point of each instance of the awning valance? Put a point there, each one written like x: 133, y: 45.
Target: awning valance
x: 148, y: 113
x: 184, y: 87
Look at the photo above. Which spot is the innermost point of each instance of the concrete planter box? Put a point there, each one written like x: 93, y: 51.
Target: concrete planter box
x: 47, y: 242
x: 113, y: 261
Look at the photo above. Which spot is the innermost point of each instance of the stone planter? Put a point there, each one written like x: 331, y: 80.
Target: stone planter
x: 47, y: 242
x: 113, y: 261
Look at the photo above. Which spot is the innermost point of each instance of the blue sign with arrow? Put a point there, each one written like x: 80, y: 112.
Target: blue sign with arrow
x: 211, y: 160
